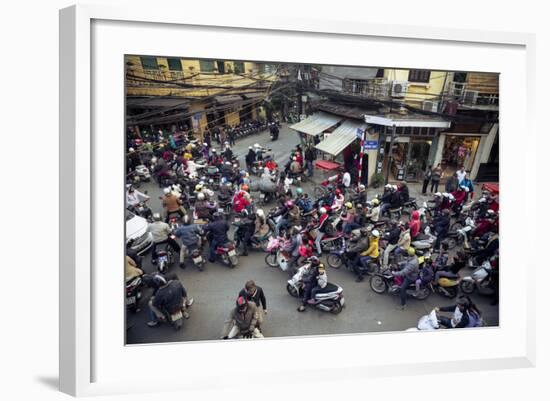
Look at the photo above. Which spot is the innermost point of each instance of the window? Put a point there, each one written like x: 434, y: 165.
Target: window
x: 149, y: 63
x: 174, y: 64
x: 460, y: 77
x: 207, y: 65
x: 220, y: 67
x: 238, y: 67
x: 354, y: 85
x: 419, y: 76
x: 380, y: 73
x: 267, y: 68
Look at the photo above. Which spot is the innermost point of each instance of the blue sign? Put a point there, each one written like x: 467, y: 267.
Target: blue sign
x: 197, y: 116
x: 370, y: 145
x: 359, y: 133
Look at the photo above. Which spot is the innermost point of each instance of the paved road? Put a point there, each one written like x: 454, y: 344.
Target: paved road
x: 216, y: 288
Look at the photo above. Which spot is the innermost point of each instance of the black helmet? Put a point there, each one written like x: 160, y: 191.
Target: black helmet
x: 364, y: 232
x: 217, y: 216
x: 314, y: 260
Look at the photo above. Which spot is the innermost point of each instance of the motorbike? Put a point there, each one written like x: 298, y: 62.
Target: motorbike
x: 228, y: 254
x: 174, y: 317
x: 385, y: 282
x: 330, y: 299
x: 275, y: 256
x: 133, y: 293
x: 480, y: 279
x: 143, y: 173
x: 338, y: 257
x: 424, y: 241
x: 255, y: 244
x: 165, y: 259
x: 446, y: 286
x: 142, y: 210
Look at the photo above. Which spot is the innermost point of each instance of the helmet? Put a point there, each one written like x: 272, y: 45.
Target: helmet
x: 299, y: 191
x: 338, y: 192
x: 217, y: 215
x: 242, y: 303
x: 244, y: 187
x: 359, y: 206
x: 159, y: 280
x: 228, y: 163
x: 200, y: 196
x: 213, y: 150
x: 361, y: 187
x: 156, y: 216
x: 294, y: 158
x: 323, y: 210
x: 387, y: 186
x: 250, y: 147
x: 314, y: 260
x: 204, y: 144
x: 131, y: 150
x: 364, y: 232
x: 348, y: 205
x: 466, y: 189
x: 375, y: 202
x: 491, y: 212
x: 257, y: 145
x: 321, y: 268
x: 289, y: 204
x: 411, y: 251
x: 166, y: 191
x: 451, y: 197
x: 376, y: 233
x: 260, y: 212
x: 394, y: 187
x: 438, y: 194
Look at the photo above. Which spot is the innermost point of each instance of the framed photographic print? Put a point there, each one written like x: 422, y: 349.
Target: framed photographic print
x: 280, y: 186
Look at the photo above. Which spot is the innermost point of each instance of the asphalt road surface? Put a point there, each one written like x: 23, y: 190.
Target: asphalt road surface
x: 215, y: 289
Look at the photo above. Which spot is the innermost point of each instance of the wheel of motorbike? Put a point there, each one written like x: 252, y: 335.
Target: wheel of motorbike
x: 467, y: 286
x: 373, y: 268
x: 292, y: 290
x: 271, y: 260
x: 336, y: 308
x: 423, y: 293
x: 452, y: 292
x: 378, y: 284
x: 334, y: 261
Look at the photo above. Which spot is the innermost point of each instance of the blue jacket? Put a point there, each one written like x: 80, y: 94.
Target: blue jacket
x: 188, y: 234
x: 466, y: 182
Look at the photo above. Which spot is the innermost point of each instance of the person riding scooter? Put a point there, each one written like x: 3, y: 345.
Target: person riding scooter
x: 218, y: 229
x: 308, y: 276
x: 203, y: 208
x: 190, y: 237
x: 246, y: 230
x: 409, y: 271
x: 367, y: 256
x: 161, y: 235
x: 170, y: 297
x: 171, y: 204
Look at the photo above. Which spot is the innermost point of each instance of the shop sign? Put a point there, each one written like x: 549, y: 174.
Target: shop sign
x: 371, y: 145
x: 197, y: 116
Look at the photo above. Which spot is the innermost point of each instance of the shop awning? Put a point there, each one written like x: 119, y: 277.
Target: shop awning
x: 342, y: 136
x: 407, y: 121
x: 257, y: 95
x: 316, y: 123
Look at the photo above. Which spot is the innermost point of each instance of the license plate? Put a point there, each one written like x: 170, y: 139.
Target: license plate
x: 262, y: 196
x: 342, y: 301
x: 198, y: 259
x: 176, y: 316
x: 130, y: 300
x: 221, y: 210
x: 231, y: 252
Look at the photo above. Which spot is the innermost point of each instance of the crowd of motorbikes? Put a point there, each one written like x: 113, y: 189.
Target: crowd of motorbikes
x: 211, y: 185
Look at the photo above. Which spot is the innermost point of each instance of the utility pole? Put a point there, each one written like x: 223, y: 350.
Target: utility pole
x: 391, y: 153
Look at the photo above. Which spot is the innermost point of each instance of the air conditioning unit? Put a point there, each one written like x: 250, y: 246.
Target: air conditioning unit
x: 399, y: 88
x: 429, y: 105
x: 470, y: 97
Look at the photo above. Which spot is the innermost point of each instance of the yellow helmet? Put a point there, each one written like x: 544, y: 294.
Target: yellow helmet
x: 348, y: 205
x: 198, y: 187
x: 411, y: 251
x: 375, y: 202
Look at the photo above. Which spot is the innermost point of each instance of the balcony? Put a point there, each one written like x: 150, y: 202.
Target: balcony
x: 472, y: 96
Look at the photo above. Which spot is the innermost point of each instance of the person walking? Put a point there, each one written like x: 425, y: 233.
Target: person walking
x: 437, y: 174
x: 427, y: 177
x: 310, y: 156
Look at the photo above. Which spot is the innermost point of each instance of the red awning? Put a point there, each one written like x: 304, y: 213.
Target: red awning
x: 492, y: 188
x: 327, y: 165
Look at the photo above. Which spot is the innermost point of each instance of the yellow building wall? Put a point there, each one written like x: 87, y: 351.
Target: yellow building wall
x: 419, y: 91
x: 232, y: 118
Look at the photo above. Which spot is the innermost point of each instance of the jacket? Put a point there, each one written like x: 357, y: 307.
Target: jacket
x: 170, y: 297
x: 374, y: 214
x: 160, y: 231
x: 171, y: 202
x: 219, y: 230
x: 409, y: 269
x: 189, y: 235
x: 405, y: 240
x: 441, y: 225
x: 372, y: 250
x: 322, y: 280
x: 451, y: 185
x: 293, y: 215
x: 246, y: 321
x: 132, y: 270
x: 359, y: 245
x: 414, y: 224
x: 466, y: 182
x: 261, y: 227
x: 258, y: 297
x: 393, y: 235
x: 436, y: 174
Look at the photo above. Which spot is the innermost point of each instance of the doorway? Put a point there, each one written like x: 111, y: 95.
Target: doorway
x: 459, y: 151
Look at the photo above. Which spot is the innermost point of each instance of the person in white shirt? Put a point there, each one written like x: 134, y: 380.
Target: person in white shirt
x: 461, y: 174
x: 134, y: 197
x: 346, y: 179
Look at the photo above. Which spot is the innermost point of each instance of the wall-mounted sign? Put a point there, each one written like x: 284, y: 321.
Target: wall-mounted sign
x: 371, y: 145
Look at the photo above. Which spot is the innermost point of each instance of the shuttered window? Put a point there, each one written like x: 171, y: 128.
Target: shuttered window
x: 419, y: 76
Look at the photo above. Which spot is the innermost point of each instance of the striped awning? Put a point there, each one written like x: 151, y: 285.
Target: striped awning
x: 341, y: 138
x: 316, y: 123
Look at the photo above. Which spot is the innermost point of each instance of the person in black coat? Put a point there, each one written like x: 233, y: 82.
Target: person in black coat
x: 441, y: 227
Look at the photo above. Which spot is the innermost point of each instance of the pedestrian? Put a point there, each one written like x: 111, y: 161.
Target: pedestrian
x: 255, y: 293
x: 437, y: 174
x: 452, y: 183
x: 231, y: 135
x: 427, y: 178
x: 310, y: 156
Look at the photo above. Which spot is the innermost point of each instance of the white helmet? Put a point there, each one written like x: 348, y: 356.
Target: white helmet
x: 376, y: 233
x: 451, y: 197
x: 131, y: 150
x: 260, y: 212
x: 438, y: 194
x: 250, y: 147
x: 200, y: 196
x: 166, y: 191
x: 256, y: 145
x: 394, y: 187
x: 388, y: 186
x: 213, y: 150
x: 361, y: 187
x: 490, y: 211
x: 156, y: 216
x: 228, y: 163
x: 204, y: 144
x: 323, y: 210
x: 466, y: 189
x: 482, y: 200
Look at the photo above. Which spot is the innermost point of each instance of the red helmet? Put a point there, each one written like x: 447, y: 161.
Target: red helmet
x: 289, y: 204
x: 242, y: 303
x: 338, y: 192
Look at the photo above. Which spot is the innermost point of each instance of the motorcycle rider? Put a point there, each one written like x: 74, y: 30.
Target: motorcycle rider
x: 261, y: 227
x: 218, y: 229
x: 161, y: 235
x: 295, y: 167
x: 371, y: 253
x: 403, y: 191
x: 441, y: 228
x: 392, y: 237
x: 308, y: 275
x: 361, y: 195
x: 451, y: 271
x: 409, y: 270
x: 302, y: 201
x: 203, y: 208
x: 467, y: 182
x: 190, y: 237
x: 243, y: 320
x: 392, y: 200
x: 171, y: 204
x: 131, y: 269
x: 250, y: 158
x: 349, y: 218
x: 374, y: 213
x: 247, y: 228
x: 404, y: 242
x: 228, y: 153
x: 254, y: 293
x: 321, y: 283
x: 135, y: 197
x: 321, y: 230
x: 357, y: 244
x: 338, y: 201
x: 290, y: 216
x: 465, y: 314
x: 170, y: 296
x: 414, y: 224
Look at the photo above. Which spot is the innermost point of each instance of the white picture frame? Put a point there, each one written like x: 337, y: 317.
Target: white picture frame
x: 90, y: 361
